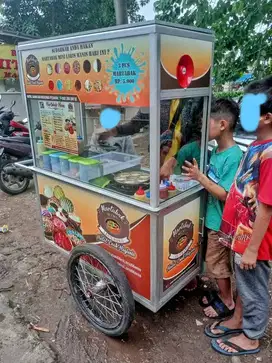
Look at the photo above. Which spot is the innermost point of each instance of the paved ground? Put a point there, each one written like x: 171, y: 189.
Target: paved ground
x: 34, y: 276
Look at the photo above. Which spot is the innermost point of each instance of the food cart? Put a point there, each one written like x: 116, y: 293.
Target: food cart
x: 127, y: 236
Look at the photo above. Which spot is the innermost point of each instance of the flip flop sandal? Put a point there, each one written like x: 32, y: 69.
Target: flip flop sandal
x: 217, y: 304
x: 240, y: 351
x: 225, y: 331
x: 210, y: 295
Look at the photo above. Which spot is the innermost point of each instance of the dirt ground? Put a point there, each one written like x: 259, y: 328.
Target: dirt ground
x: 33, y: 282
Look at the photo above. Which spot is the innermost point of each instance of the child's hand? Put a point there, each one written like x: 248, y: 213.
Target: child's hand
x: 249, y: 260
x: 192, y: 170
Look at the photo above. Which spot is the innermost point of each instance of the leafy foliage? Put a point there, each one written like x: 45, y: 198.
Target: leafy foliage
x: 55, y: 17
x: 230, y: 94
x: 242, y: 28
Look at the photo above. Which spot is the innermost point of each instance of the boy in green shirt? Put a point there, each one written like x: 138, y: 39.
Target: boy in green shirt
x: 223, y: 165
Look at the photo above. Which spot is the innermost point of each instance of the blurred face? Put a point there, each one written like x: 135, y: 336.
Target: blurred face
x: 265, y: 120
x: 216, y: 128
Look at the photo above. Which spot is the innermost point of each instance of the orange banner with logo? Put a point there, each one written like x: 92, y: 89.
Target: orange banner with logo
x: 112, y: 72
x: 185, y: 62
x: 8, y: 62
x: 181, y: 242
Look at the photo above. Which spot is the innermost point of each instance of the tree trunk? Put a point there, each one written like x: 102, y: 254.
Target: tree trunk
x: 121, y: 12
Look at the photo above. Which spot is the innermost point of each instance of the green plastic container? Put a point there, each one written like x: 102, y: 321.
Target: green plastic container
x: 64, y: 163
x: 74, y: 166
x: 89, y: 169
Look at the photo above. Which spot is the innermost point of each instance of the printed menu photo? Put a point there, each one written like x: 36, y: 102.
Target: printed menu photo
x: 58, y: 122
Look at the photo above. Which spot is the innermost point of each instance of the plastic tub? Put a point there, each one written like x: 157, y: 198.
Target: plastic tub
x: 113, y: 162
x: 64, y: 163
x: 182, y: 183
x: 74, y: 167
x: 55, y: 161
x: 89, y: 169
x: 46, y: 159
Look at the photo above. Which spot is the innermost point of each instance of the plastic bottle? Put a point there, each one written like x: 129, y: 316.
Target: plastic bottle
x: 80, y: 144
x: 172, y: 190
x: 163, y: 191
x: 147, y: 196
x: 40, y: 148
x: 140, y: 194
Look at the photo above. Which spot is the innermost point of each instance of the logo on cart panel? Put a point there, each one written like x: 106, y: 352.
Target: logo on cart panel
x: 113, y: 223
x: 181, y: 240
x: 32, y: 67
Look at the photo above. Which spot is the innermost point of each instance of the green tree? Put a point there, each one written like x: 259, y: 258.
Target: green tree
x: 242, y: 28
x: 55, y: 17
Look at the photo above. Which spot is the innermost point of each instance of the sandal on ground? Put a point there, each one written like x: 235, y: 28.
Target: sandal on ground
x: 210, y: 295
x: 239, y: 350
x: 216, y: 303
x: 225, y: 331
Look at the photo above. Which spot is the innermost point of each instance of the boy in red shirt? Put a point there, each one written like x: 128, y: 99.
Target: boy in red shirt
x: 247, y: 228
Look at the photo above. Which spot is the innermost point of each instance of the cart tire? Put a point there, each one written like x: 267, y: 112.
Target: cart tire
x: 87, y: 303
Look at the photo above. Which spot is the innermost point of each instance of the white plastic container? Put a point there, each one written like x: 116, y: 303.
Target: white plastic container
x: 89, y: 169
x: 182, y: 183
x: 113, y: 162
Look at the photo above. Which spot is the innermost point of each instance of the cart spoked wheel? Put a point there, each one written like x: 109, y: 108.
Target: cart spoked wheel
x: 101, y: 290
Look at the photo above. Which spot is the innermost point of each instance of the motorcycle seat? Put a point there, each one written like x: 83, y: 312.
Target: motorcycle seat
x: 17, y: 139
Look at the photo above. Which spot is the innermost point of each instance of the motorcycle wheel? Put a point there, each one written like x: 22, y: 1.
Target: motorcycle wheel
x: 8, y: 182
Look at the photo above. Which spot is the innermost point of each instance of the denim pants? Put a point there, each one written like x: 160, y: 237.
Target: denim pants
x: 253, y: 289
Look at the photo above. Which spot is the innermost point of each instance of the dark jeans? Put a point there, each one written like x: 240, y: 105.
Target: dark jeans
x: 253, y: 289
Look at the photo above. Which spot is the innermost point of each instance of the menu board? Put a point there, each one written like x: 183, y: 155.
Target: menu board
x: 58, y: 122
x: 112, y: 72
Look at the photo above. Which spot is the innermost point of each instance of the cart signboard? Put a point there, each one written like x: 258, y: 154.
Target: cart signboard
x: 72, y: 217
x: 58, y: 121
x: 103, y: 72
x: 181, y: 242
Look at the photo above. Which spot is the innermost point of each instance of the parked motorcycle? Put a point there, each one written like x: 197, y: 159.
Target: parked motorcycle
x: 9, y: 127
x: 13, y: 179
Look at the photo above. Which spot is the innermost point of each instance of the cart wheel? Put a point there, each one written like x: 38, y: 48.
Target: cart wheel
x: 100, y: 289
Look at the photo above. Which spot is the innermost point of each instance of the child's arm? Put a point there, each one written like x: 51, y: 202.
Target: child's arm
x: 263, y: 215
x: 263, y: 218
x: 193, y: 172
x: 168, y: 167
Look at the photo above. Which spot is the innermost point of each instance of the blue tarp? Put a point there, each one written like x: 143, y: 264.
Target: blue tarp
x: 245, y: 77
